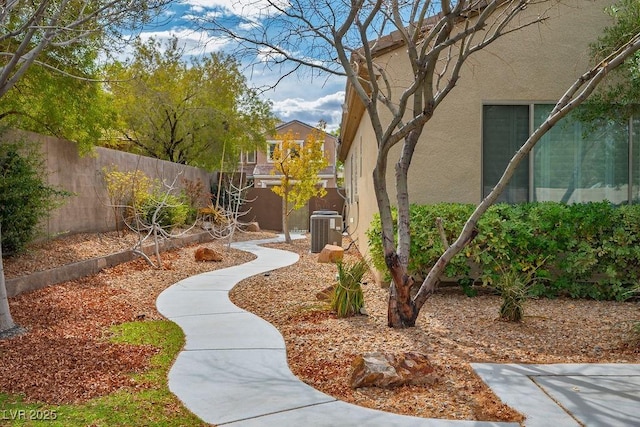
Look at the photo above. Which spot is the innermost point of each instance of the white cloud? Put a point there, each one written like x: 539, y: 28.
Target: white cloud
x: 194, y: 42
x: 253, y: 10
x: 327, y: 108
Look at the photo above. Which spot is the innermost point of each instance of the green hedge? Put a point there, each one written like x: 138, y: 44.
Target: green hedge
x: 589, y: 250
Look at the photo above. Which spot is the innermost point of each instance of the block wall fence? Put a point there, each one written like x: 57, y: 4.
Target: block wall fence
x: 87, y: 210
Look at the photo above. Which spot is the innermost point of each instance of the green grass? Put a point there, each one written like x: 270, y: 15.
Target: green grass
x: 154, y: 406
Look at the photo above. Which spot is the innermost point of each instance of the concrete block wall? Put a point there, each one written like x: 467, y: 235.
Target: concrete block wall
x: 88, y: 209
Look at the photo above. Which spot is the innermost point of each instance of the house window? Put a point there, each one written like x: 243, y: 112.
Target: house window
x: 271, y: 146
x: 572, y: 163
x: 250, y: 157
x: 504, y: 129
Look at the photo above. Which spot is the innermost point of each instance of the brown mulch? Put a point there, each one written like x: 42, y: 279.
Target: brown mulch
x: 452, y: 329
x: 66, y: 355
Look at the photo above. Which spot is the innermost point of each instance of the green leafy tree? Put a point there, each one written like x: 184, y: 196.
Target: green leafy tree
x: 48, y: 51
x: 618, y: 98
x: 51, y: 103
x: 190, y: 113
x: 298, y: 167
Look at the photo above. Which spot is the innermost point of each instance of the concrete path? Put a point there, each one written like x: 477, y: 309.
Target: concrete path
x: 233, y: 370
x: 606, y: 395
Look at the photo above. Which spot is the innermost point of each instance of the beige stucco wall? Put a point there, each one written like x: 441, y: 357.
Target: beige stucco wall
x: 536, y: 64
x: 88, y: 209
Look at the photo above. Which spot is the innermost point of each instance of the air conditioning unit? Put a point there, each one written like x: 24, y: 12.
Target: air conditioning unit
x: 326, y: 228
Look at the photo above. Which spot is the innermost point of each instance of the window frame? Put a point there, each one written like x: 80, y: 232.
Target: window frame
x: 531, y: 157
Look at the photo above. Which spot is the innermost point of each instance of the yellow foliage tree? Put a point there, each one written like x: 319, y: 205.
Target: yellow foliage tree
x: 298, y: 167
x: 127, y: 191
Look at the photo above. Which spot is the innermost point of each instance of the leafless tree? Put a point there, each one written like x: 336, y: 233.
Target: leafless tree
x: 8, y: 328
x: 6, y: 321
x: 438, y: 37
x: 224, y: 219
x: 152, y: 227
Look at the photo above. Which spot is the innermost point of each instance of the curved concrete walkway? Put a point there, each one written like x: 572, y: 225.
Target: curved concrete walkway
x: 233, y: 369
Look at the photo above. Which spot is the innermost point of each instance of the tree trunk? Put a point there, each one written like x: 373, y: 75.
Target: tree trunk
x: 285, y: 218
x: 6, y: 321
x: 402, y: 311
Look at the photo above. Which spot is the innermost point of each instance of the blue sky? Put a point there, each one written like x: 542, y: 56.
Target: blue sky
x: 297, y: 97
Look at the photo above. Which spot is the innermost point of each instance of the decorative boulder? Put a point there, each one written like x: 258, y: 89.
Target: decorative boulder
x: 331, y: 253
x: 207, y: 254
x: 326, y: 294
x: 252, y: 227
x: 387, y: 370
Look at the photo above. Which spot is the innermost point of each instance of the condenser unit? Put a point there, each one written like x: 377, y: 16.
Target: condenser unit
x: 326, y: 228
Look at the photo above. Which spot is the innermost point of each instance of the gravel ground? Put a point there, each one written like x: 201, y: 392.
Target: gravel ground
x: 452, y: 329
x: 65, y: 355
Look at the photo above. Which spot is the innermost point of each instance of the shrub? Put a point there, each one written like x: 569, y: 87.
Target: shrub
x: 348, y: 298
x: 587, y: 250
x: 169, y: 210
x: 127, y: 192
x: 25, y: 197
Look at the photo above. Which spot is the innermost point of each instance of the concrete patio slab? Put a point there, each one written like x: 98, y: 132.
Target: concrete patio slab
x: 610, y: 401
x: 568, y: 394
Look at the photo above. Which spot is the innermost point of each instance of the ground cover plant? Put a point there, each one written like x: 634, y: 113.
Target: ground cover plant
x: 147, y: 402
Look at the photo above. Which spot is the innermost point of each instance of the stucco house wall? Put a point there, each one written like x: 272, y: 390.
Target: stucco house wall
x: 536, y: 64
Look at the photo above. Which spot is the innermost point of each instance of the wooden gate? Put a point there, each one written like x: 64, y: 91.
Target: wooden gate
x: 299, y: 219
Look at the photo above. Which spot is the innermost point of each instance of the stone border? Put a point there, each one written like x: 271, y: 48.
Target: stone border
x: 77, y: 270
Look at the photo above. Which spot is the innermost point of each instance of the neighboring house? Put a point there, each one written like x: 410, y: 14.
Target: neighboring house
x: 265, y: 205
x: 258, y: 165
x: 502, y: 94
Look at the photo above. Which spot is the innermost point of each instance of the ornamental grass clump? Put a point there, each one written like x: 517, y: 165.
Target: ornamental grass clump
x: 513, y: 290
x: 348, y: 298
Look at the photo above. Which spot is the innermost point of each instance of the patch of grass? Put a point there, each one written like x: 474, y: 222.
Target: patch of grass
x: 152, y: 406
